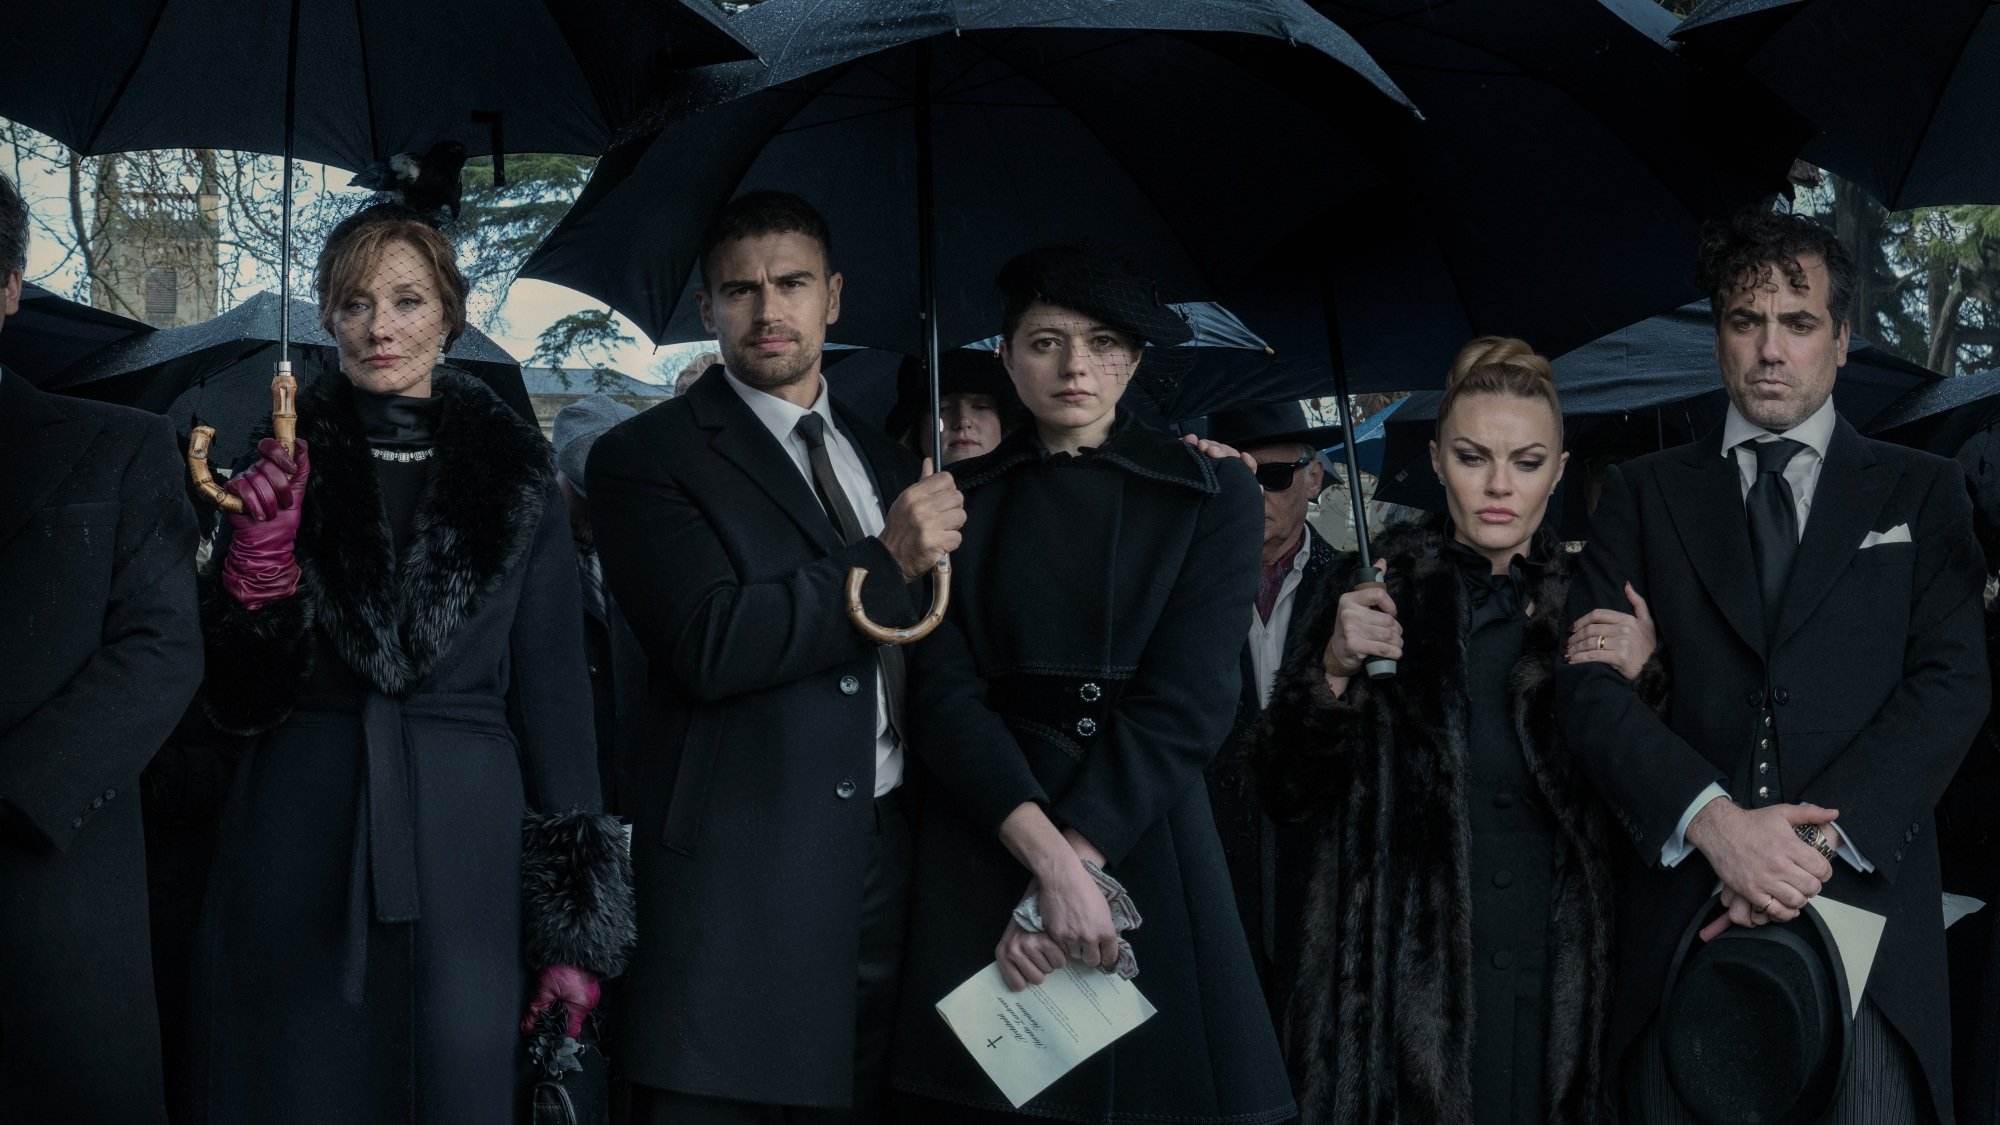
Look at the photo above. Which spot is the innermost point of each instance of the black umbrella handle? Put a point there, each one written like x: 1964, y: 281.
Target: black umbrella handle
x: 1370, y: 577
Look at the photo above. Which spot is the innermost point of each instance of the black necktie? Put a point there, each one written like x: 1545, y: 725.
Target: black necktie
x: 1774, y: 524
x: 812, y: 430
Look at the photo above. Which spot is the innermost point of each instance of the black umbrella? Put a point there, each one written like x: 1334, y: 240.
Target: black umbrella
x: 982, y: 129
x: 1902, y: 94
x: 49, y: 333
x: 1554, y: 191
x: 218, y: 372
x: 1942, y: 416
x: 1649, y: 386
x: 375, y: 78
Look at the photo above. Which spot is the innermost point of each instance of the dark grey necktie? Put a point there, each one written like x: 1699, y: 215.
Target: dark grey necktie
x: 1774, y: 523
x: 812, y: 430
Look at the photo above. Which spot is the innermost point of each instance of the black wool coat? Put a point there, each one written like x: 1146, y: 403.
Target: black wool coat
x: 414, y: 827
x: 99, y: 655
x: 1103, y: 601
x: 1380, y: 1026
x: 749, y: 757
x: 1875, y: 685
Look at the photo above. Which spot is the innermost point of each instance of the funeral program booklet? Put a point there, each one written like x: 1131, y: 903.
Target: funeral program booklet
x: 1026, y: 1040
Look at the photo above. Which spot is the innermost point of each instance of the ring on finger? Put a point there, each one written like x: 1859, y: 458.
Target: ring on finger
x: 1600, y: 642
x: 1766, y: 908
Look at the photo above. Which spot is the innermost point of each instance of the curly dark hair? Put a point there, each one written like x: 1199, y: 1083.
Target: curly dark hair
x: 1741, y: 252
x: 13, y: 229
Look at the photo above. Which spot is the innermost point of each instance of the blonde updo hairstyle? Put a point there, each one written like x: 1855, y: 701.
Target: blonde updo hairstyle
x: 1501, y: 365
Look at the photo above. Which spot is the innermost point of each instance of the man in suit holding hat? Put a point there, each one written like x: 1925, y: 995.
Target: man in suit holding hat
x: 99, y: 656
x: 1269, y: 865
x: 1818, y: 598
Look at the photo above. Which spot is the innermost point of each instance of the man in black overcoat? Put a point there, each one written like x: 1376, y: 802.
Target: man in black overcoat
x: 771, y: 842
x: 1818, y: 599
x: 1269, y: 865
x: 99, y: 655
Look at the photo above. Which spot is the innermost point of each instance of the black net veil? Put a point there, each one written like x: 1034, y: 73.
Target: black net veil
x: 1089, y: 303
x: 391, y: 295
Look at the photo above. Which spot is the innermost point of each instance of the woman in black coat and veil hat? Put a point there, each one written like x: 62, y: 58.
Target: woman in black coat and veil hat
x: 412, y: 852
x: 1105, y: 576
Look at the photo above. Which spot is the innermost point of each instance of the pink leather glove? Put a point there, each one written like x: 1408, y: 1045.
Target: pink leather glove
x: 260, y: 568
x: 575, y: 989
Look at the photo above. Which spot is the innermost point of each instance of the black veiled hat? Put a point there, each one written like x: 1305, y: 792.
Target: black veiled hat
x: 1093, y: 281
x: 1755, y: 1025
x: 1270, y: 423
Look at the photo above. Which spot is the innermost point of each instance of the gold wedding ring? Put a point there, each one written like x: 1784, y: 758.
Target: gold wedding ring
x: 1766, y: 908
x: 1600, y: 642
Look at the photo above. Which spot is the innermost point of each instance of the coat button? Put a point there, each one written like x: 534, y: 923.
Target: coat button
x: 77, y: 822
x: 1763, y: 744
x: 1503, y: 960
x: 1503, y: 879
x: 1090, y: 693
x: 97, y: 802
x: 1754, y: 698
x: 845, y: 789
x: 1763, y: 792
x: 849, y: 685
x: 110, y: 794
x: 1781, y: 696
x: 1086, y: 727
x: 1763, y: 767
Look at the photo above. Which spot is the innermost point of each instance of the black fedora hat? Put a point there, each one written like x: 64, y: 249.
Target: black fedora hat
x: 1755, y: 1025
x: 961, y: 371
x: 1270, y: 423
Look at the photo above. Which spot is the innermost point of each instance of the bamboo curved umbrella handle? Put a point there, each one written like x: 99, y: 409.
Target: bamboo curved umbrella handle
x: 940, y: 600
x: 284, y: 423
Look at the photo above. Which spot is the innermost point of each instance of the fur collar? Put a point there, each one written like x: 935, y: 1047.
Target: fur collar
x: 1133, y: 446
x: 391, y: 619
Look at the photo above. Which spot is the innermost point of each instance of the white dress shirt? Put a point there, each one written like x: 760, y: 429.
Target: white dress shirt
x: 1802, y: 474
x: 782, y: 418
x: 1267, y: 639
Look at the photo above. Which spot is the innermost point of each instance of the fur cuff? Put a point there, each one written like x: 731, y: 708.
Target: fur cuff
x: 1652, y: 682
x: 1299, y: 757
x: 255, y: 659
x: 576, y: 887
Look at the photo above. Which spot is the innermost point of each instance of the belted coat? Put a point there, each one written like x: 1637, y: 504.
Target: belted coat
x: 1104, y: 600
x: 413, y: 827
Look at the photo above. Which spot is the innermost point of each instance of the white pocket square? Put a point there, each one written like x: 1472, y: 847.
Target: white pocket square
x: 1897, y: 534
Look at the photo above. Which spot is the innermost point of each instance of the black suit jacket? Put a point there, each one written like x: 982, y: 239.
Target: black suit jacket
x: 749, y: 783
x: 99, y: 655
x: 1875, y: 681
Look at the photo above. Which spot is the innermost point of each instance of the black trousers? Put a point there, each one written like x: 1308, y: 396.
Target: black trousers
x: 885, y: 909
x: 1883, y: 1085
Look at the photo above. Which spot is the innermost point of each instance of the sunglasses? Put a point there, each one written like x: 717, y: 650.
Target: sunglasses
x: 1277, y: 476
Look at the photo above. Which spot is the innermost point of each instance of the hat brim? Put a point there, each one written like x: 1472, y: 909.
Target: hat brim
x: 1819, y: 1091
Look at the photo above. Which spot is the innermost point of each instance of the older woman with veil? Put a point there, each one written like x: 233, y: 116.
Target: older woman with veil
x: 412, y: 853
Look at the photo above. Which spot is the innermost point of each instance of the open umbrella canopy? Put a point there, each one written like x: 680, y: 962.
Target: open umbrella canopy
x: 1554, y: 189
x: 1942, y: 416
x: 1036, y: 121
x: 1649, y: 386
x: 50, y: 333
x: 219, y: 371
x: 1902, y: 95
x: 374, y: 77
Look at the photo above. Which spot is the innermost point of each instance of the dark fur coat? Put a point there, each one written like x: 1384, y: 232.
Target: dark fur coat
x: 1380, y: 1024
x: 438, y: 701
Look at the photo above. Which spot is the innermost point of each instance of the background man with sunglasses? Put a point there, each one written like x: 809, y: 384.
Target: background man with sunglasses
x: 1268, y: 865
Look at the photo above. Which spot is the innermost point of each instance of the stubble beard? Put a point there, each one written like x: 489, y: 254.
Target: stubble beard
x: 773, y: 372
